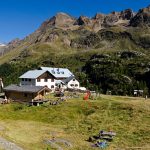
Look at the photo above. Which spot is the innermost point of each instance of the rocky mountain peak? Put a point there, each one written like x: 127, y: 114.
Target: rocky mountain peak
x: 99, y: 16
x: 147, y: 9
x: 111, y: 19
x: 60, y: 20
x: 99, y: 21
x: 83, y: 20
x: 142, y: 18
x: 127, y: 14
x: 14, y: 43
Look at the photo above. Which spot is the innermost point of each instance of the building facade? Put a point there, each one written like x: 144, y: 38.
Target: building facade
x: 25, y: 92
x: 51, y: 77
x: 72, y: 83
x: 38, y: 78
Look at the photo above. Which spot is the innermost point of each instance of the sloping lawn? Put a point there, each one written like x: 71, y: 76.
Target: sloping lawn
x: 75, y: 120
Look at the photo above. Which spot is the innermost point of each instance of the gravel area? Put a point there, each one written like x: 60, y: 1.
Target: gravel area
x: 53, y: 144
x: 6, y: 145
x: 56, y: 141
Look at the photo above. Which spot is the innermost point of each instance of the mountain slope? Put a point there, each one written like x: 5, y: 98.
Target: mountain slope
x: 105, y: 41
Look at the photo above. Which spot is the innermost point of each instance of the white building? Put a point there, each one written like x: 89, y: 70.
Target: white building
x: 38, y: 78
x: 71, y: 83
x: 50, y: 77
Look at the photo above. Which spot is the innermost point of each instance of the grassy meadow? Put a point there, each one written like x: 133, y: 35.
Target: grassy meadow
x: 75, y: 120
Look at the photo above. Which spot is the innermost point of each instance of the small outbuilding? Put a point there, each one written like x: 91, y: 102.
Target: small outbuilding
x: 25, y: 92
x: 72, y: 83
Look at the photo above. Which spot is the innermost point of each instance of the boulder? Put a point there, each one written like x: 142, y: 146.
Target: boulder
x: 66, y: 41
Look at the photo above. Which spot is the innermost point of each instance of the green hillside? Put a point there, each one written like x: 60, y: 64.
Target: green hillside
x: 115, y: 58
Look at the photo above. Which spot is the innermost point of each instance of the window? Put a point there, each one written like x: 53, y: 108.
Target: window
x: 52, y: 86
x: 71, y: 84
x: 22, y: 79
x: 26, y: 79
x: 76, y: 85
x: 45, y: 80
x: 74, y: 79
x: 29, y: 80
x: 52, y: 80
x: 38, y: 80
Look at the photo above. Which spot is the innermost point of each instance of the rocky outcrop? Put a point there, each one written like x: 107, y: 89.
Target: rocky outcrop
x: 142, y: 18
x: 98, y: 22
x: 82, y: 20
x: 61, y: 20
x: 14, y: 43
x: 127, y: 14
x: 111, y: 19
x: 66, y: 41
x: 52, y: 37
x: 130, y: 54
x: 11, y: 45
x: 118, y: 18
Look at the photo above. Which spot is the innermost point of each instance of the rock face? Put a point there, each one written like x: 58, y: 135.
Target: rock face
x: 6, y: 48
x: 67, y: 42
x: 127, y: 14
x: 98, y: 22
x: 142, y: 18
x: 118, y: 18
x: 14, y: 42
x: 82, y: 20
x: 131, y: 54
x: 111, y: 19
x: 61, y: 20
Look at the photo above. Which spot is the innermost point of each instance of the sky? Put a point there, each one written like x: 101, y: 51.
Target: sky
x: 19, y: 18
